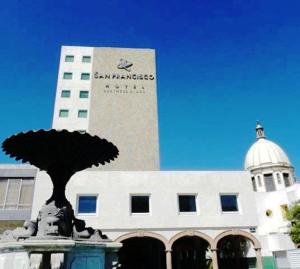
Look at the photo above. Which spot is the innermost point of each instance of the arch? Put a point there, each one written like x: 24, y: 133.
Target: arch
x: 191, y: 233
x: 144, y: 234
x: 249, y: 236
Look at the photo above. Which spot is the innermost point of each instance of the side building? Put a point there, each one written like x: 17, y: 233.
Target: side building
x: 16, y: 194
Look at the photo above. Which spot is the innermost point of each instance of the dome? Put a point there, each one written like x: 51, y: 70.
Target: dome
x: 265, y: 153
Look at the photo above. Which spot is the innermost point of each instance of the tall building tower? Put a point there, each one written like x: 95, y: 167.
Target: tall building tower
x: 111, y: 93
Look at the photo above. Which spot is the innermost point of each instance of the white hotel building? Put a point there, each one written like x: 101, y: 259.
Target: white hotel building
x: 165, y: 219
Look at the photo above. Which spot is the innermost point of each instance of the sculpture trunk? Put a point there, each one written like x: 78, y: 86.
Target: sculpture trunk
x: 59, y: 181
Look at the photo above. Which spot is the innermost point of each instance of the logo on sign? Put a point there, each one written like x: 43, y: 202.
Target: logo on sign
x: 124, y: 64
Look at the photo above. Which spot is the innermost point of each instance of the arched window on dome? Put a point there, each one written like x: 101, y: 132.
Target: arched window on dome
x: 286, y: 179
x: 253, y: 183
x: 269, y: 182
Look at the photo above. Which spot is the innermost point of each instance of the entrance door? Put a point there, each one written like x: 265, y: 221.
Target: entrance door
x: 191, y: 253
x: 142, y: 253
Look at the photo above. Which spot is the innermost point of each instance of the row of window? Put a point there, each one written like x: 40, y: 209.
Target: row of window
x: 67, y: 94
x: 64, y: 113
x: 87, y: 204
x: 269, y: 181
x: 16, y: 193
x: 83, y: 76
x: 84, y: 59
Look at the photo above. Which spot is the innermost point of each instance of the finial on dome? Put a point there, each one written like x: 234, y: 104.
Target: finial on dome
x: 259, y: 131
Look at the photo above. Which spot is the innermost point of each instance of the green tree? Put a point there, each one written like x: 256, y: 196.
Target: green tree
x: 293, y: 215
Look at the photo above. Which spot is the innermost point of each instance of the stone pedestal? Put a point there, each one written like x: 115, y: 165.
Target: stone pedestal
x: 58, y: 254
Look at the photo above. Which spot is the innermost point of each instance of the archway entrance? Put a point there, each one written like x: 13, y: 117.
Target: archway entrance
x: 142, y: 253
x: 236, y: 252
x: 191, y: 252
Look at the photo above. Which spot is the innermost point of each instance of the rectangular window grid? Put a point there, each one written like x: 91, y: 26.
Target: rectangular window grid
x: 16, y: 193
x: 82, y: 113
x: 63, y: 113
x: 84, y: 94
x: 86, y: 59
x: 187, y: 203
x: 69, y: 58
x: 65, y: 93
x: 87, y: 204
x: 140, y: 204
x: 85, y: 76
x: 68, y: 75
x: 229, y: 203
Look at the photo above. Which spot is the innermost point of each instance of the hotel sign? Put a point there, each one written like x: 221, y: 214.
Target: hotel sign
x: 114, y: 80
x: 125, y: 65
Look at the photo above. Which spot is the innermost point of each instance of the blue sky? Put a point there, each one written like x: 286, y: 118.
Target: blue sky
x: 221, y: 66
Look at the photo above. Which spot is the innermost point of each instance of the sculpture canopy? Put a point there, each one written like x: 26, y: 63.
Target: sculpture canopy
x: 60, y: 151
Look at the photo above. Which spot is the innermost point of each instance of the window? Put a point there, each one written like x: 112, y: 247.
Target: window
x: 286, y: 179
x: 84, y: 94
x: 284, y: 211
x: 69, y: 58
x: 87, y: 204
x: 140, y: 204
x: 229, y: 203
x: 85, y: 76
x: 63, y: 113
x: 81, y: 131
x: 86, y: 59
x: 253, y: 183
x: 269, y: 182
x: 82, y: 113
x: 187, y: 203
x: 16, y: 193
x: 65, y: 93
x: 68, y: 75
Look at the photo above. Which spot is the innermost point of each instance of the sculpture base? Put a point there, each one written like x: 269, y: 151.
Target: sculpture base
x: 58, y: 254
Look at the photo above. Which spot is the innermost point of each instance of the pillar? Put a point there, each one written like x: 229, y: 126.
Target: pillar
x: 258, y: 258
x: 214, y: 257
x: 36, y: 260
x: 169, y: 258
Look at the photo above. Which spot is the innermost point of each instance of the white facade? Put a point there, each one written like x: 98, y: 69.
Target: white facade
x: 114, y: 189
x: 74, y: 85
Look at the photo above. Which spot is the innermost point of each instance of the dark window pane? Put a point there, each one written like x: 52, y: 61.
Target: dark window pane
x: 269, y: 182
x: 69, y: 58
x: 140, y: 204
x: 229, y: 203
x: 286, y: 179
x: 86, y: 59
x: 187, y: 203
x: 253, y: 184
x: 87, y: 204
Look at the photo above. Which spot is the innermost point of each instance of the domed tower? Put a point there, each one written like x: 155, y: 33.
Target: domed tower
x: 270, y: 167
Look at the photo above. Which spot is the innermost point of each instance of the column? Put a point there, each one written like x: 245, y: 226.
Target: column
x: 258, y: 258
x: 214, y: 257
x: 169, y: 258
x: 57, y: 260
x: 36, y: 260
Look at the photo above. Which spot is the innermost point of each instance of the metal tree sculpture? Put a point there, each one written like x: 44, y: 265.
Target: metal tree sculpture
x: 61, y: 154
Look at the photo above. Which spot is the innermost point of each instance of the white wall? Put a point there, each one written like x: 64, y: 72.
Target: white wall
x: 114, y: 189
x: 74, y: 103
